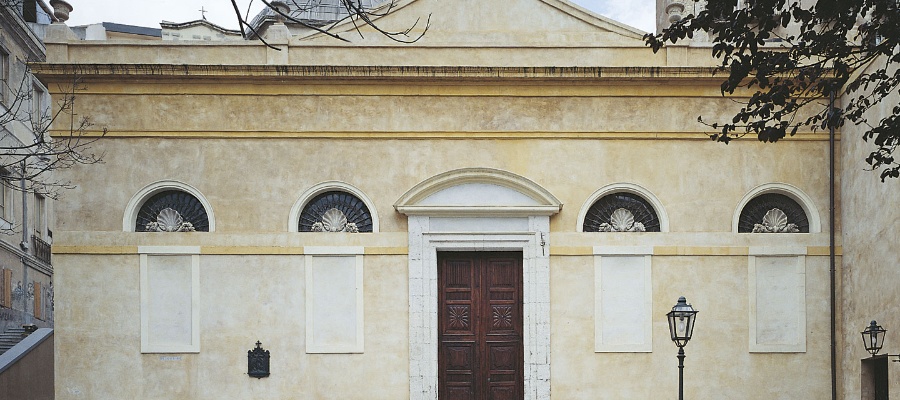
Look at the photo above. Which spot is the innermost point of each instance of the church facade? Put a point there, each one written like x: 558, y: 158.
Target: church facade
x: 505, y: 209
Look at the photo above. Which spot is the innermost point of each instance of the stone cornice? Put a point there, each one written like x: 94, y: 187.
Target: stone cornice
x: 28, y: 259
x: 22, y: 34
x: 55, y: 72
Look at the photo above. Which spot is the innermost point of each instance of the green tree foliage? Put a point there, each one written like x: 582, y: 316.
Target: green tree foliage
x: 794, y: 55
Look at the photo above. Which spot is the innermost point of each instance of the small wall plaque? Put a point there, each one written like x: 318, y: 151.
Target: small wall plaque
x: 258, y: 362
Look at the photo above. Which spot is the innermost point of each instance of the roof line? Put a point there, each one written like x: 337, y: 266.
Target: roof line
x: 174, y: 25
x: 132, y: 29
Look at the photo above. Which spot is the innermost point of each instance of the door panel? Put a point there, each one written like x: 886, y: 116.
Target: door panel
x: 480, y: 326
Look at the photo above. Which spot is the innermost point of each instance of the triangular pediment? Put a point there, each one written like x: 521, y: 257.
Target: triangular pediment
x: 494, y: 23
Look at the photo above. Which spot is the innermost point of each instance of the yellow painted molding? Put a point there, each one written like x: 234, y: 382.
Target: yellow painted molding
x: 219, y: 250
x: 701, y: 251
x: 250, y: 250
x: 571, y: 251
x: 823, y: 251
x: 405, y: 135
x: 685, y: 251
x: 554, y: 250
x: 609, y: 90
x: 94, y: 249
x: 386, y: 251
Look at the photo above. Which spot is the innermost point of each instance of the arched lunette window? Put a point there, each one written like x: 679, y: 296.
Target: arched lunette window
x: 773, y: 213
x: 335, y: 211
x: 621, y: 212
x: 172, y: 211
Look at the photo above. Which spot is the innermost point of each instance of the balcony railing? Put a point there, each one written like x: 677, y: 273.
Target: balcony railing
x: 41, y: 249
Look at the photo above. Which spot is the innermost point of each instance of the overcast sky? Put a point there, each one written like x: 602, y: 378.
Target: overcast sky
x: 148, y: 13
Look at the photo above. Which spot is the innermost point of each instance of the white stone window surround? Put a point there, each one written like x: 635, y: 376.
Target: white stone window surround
x: 5, y: 76
x: 627, y: 188
x: 7, y: 216
x: 134, y: 205
x: 39, y: 103
x: 39, y: 210
x: 328, y: 186
x: 467, y: 210
x: 784, y: 316
x: 627, y: 291
x: 146, y: 343
x: 317, y: 343
x: 792, y: 192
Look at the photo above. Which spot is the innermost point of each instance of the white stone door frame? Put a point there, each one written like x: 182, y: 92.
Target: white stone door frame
x: 474, y: 234
x: 478, y: 209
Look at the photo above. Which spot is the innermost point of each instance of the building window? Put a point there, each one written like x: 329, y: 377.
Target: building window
x: 172, y: 211
x: 4, y: 75
x: 621, y: 212
x: 6, y: 287
x: 3, y: 199
x: 40, y: 215
x: 29, y: 10
x: 37, y: 107
x: 335, y: 211
x: 773, y: 213
x: 5, y: 204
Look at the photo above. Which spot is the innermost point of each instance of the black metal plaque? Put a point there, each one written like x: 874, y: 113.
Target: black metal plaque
x: 258, y: 362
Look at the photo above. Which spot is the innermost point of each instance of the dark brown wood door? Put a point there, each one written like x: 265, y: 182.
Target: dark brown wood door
x: 480, y: 326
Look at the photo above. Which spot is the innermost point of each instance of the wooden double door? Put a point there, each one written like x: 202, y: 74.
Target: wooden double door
x: 480, y: 326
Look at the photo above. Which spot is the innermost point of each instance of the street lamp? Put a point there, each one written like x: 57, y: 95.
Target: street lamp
x: 873, y: 338
x: 681, y: 327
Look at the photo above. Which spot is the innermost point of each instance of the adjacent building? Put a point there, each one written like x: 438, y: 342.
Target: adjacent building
x: 26, y: 273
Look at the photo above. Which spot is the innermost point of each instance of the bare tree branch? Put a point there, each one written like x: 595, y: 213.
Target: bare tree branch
x: 357, y: 14
x: 34, y: 159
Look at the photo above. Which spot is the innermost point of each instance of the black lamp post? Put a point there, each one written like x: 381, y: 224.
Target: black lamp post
x: 873, y: 338
x: 681, y: 327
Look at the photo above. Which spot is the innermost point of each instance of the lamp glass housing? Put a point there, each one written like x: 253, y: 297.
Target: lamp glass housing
x: 681, y: 322
x: 873, y: 338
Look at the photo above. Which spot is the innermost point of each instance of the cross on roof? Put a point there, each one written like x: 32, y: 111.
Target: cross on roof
x: 203, y: 12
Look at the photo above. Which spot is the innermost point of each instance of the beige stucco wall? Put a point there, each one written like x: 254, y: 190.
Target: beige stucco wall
x: 252, y: 183
x: 718, y: 363
x: 869, y: 270
x: 383, y: 139
x: 244, y: 299
x: 252, y: 140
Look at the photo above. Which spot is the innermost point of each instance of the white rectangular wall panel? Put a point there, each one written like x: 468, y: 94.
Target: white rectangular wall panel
x: 169, y: 303
x: 777, y: 304
x: 622, y: 303
x: 334, y: 304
